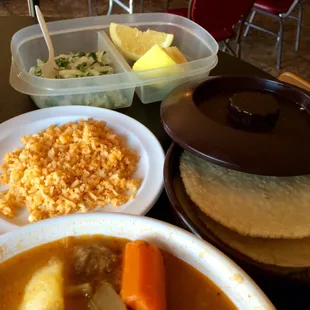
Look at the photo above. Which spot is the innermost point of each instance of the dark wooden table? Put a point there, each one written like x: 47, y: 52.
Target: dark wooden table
x: 283, y: 294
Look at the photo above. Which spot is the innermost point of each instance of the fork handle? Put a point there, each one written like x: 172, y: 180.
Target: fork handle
x: 46, y: 35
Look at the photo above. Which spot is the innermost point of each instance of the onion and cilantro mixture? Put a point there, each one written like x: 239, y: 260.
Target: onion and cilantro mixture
x: 78, y: 65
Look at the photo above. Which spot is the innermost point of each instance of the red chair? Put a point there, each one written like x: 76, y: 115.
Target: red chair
x: 279, y: 9
x: 219, y: 17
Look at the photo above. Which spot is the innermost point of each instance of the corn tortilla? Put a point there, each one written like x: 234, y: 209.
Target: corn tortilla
x: 279, y: 252
x: 252, y: 205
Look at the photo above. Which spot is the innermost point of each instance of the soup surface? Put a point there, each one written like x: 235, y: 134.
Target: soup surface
x: 89, y: 260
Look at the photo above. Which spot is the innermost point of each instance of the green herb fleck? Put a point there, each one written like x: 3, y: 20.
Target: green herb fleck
x: 38, y: 72
x: 93, y: 55
x: 81, y: 54
x: 82, y: 66
x: 62, y: 62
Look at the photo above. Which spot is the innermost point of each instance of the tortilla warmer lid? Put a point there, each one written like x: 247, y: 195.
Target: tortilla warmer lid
x: 197, y: 117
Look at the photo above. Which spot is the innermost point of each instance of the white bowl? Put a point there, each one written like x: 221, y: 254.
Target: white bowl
x: 233, y: 281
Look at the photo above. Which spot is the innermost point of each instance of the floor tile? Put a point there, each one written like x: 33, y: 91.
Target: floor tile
x: 298, y: 66
x: 304, y: 43
x: 260, y: 49
x: 3, y: 10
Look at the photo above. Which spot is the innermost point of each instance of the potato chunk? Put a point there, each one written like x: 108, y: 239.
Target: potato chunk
x: 44, y: 291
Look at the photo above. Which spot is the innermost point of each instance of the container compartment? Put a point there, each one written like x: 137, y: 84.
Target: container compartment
x: 158, y: 91
x: 196, y: 44
x: 81, y: 91
x: 113, y: 99
x: 115, y: 90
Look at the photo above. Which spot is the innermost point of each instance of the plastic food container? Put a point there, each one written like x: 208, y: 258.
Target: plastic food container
x: 115, y: 90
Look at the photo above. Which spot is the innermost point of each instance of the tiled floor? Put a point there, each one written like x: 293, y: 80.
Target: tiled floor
x: 258, y: 48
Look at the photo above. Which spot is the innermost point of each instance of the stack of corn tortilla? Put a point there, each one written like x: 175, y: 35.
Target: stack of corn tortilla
x: 265, y: 218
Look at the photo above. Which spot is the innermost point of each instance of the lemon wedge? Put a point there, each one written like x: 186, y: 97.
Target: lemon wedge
x: 133, y: 43
x: 156, y: 57
x: 175, y: 54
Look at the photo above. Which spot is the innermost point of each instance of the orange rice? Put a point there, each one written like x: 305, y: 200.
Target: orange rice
x: 70, y: 168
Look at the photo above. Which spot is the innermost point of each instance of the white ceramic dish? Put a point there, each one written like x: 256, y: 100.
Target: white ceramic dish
x: 235, y: 283
x: 150, y: 166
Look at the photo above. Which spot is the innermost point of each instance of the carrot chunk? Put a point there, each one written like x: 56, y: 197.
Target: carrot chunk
x: 143, y: 284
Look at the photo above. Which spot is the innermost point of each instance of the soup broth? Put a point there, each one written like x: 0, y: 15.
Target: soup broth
x: 89, y: 260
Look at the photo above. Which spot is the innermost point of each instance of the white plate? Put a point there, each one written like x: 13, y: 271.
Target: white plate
x: 150, y: 166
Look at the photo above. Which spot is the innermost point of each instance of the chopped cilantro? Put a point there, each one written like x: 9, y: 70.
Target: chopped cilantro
x: 82, y: 66
x: 38, y: 72
x: 93, y: 55
x: 62, y: 62
x: 81, y: 54
x: 93, y: 64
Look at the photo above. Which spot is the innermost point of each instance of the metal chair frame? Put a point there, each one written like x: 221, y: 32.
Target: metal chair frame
x: 31, y: 8
x: 280, y: 18
x: 240, y: 27
x: 129, y: 9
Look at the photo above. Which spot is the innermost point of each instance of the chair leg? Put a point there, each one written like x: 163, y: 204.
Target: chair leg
x: 238, y: 38
x: 249, y: 24
x: 96, y: 7
x: 110, y: 7
x: 226, y: 46
x: 31, y: 8
x: 280, y: 43
x: 238, y: 50
x: 130, y: 6
x: 141, y: 6
x: 167, y: 2
x: 90, y: 11
x: 299, y: 21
